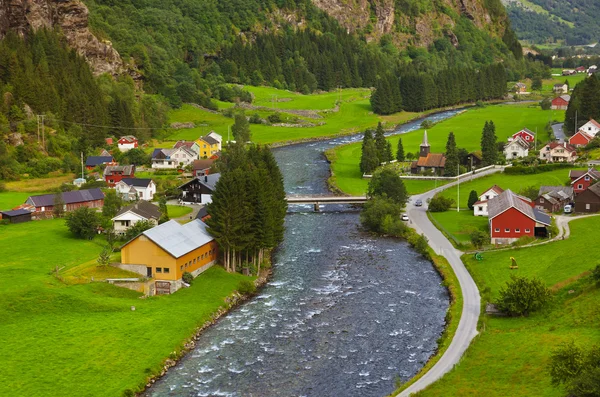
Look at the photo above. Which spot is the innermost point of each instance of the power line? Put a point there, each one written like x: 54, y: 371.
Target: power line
x: 110, y: 126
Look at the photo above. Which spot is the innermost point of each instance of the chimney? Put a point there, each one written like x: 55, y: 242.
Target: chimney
x: 205, y: 178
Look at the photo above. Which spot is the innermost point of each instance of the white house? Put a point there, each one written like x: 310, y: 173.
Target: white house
x: 560, y: 88
x: 132, y: 214
x: 480, y: 208
x: 192, y: 145
x: 217, y: 137
x: 591, y: 128
x: 516, y: 148
x: 173, y: 158
x: 127, y: 142
x: 558, y: 152
x: 136, y: 189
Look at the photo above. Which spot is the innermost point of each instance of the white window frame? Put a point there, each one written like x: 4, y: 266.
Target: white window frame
x: 506, y: 230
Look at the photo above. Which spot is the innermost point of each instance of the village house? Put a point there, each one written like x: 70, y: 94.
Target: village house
x: 127, y: 142
x: 589, y: 199
x: 133, y: 189
x: 202, y: 167
x: 203, y: 214
x: 172, y: 158
x: 511, y: 217
x: 94, y: 161
x: 591, y: 128
x: 16, y: 216
x: 580, y: 69
x: 209, y: 145
x: 558, y: 152
x: 44, y: 203
x: 192, y: 145
x: 560, y: 88
x: 167, y: 251
x: 114, y: 173
x: 568, y: 72
x: 554, y: 198
x: 561, y: 102
x: 526, y: 134
x: 516, y: 148
x: 582, y: 179
x: 580, y: 139
x: 134, y: 213
x: 520, y: 88
x: 475, y: 159
x: 199, y: 189
x: 480, y: 208
x: 428, y: 162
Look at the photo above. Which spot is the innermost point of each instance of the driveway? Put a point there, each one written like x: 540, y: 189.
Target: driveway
x: 558, y: 131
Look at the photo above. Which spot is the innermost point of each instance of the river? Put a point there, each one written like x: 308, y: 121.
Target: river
x: 345, y: 314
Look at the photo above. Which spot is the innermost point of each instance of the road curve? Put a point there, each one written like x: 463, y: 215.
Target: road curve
x: 467, y: 326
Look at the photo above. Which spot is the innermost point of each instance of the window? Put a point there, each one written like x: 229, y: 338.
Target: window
x: 507, y: 230
x: 487, y: 196
x: 194, y: 260
x: 480, y: 208
x: 541, y: 201
x: 580, y: 186
x: 527, y: 230
x: 587, y: 178
x: 587, y: 206
x: 497, y: 230
x: 166, y: 269
x: 186, y: 265
x: 181, y: 267
x: 158, y: 270
x: 517, y: 230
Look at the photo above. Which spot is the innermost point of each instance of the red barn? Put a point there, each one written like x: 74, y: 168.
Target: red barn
x: 527, y: 135
x: 127, y: 142
x: 114, y: 173
x: 44, y: 203
x: 511, y: 218
x: 581, y: 179
x: 561, y: 102
x: 580, y: 139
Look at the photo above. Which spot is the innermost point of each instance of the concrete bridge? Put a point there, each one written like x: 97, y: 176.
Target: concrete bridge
x: 317, y: 201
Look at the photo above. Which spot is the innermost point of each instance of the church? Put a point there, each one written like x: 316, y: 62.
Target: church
x: 428, y: 162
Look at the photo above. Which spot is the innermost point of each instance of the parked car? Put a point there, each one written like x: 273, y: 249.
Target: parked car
x: 568, y: 209
x: 404, y: 217
x: 419, y: 203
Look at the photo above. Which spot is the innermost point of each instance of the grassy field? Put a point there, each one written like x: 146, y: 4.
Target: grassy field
x: 513, y: 182
x: 510, y: 355
x: 281, y: 99
x: 9, y: 200
x: 459, y: 224
x: 176, y: 211
x: 84, y: 340
x: 39, y: 184
x: 467, y: 128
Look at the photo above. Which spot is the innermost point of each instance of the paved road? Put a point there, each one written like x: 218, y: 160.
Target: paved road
x: 559, y: 134
x: 467, y: 326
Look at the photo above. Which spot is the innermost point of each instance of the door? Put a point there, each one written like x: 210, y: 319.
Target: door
x: 148, y: 272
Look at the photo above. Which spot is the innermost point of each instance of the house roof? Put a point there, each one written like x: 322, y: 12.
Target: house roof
x: 105, y: 153
x: 497, y: 189
x: 215, y: 135
x: 187, y: 144
x: 519, y: 141
x: 125, y: 169
x: 594, y: 122
x: 202, y: 164
x: 93, y: 161
x: 578, y: 174
x: 556, y: 192
x: 210, y: 181
x: 210, y: 140
x: 595, y: 188
x: 566, y: 98
x: 75, y: 196
x: 432, y: 160
x: 477, y: 154
x: 202, y: 213
x: 507, y: 200
x: 15, y: 212
x: 137, y: 182
x: 583, y: 134
x: 526, y: 130
x: 519, y: 84
x: 559, y: 85
x: 178, y: 239
x: 143, y: 209
x: 128, y: 138
x: 567, y: 146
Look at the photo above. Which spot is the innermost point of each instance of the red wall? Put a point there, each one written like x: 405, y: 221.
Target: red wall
x: 512, y: 219
x: 578, y: 139
x: 585, y: 184
x: 559, y: 102
x: 116, y: 178
x: 524, y: 135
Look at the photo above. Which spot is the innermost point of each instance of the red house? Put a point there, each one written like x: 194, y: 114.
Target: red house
x: 561, y: 102
x: 580, y: 139
x: 511, y: 217
x: 527, y: 135
x: 114, y: 173
x: 581, y: 179
x: 127, y: 142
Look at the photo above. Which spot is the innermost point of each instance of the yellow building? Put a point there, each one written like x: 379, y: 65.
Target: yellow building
x: 209, y: 145
x: 167, y: 251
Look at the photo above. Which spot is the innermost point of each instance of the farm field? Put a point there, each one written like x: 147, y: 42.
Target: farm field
x: 84, y: 340
x: 467, y: 128
x: 39, y: 184
x: 510, y: 355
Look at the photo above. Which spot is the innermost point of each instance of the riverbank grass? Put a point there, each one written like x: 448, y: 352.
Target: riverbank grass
x: 78, y: 340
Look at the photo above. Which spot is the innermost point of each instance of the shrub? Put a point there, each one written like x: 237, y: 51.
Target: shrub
x: 387, y: 183
x: 274, y: 118
x: 2, y: 187
x: 479, y: 238
x: 577, y: 369
x: 520, y: 170
x: 596, y: 274
x: 440, y: 204
x: 425, y: 124
x: 419, y: 244
x: 246, y: 287
x: 83, y: 222
x: 187, y: 278
x: 374, y: 214
x: 546, y: 104
x: 473, y: 198
x: 255, y: 119
x: 522, y: 296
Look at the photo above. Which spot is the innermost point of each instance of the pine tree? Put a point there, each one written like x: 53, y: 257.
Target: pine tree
x: 369, y: 159
x: 241, y: 128
x: 400, y: 151
x: 452, y: 163
x: 381, y: 145
x: 489, y: 147
x: 473, y: 198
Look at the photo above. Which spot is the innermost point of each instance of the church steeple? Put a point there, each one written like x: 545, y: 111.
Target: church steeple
x: 424, y: 148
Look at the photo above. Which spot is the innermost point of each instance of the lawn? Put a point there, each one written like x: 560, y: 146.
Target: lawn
x: 459, y: 225
x: 84, y: 340
x: 511, y: 354
x: 467, y: 128
x: 9, y: 200
x: 516, y: 183
x: 177, y: 211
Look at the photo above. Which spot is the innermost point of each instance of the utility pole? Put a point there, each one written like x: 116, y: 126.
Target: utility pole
x: 38, y: 125
x: 43, y: 132
x: 458, y: 189
x: 575, y: 131
x: 82, y: 173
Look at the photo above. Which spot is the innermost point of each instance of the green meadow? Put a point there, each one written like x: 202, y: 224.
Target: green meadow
x: 459, y: 225
x: 467, y: 128
x: 177, y: 211
x: 84, y: 340
x: 9, y: 200
x: 510, y: 355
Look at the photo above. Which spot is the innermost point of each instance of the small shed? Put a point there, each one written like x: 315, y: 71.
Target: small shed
x: 16, y: 216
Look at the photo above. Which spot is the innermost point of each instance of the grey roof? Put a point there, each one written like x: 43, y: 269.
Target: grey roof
x: 557, y: 192
x: 210, y: 181
x: 143, y: 209
x: 541, y: 217
x: 508, y: 199
x: 202, y: 213
x: 125, y: 169
x: 595, y: 188
x: 549, y: 198
x: 75, y: 196
x: 93, y: 161
x: 209, y: 139
x: 178, y: 239
x: 519, y: 141
x: 15, y: 212
x: 137, y: 182
x: 566, y: 97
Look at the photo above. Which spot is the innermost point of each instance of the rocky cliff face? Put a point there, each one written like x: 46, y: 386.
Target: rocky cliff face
x: 379, y: 17
x: 71, y: 16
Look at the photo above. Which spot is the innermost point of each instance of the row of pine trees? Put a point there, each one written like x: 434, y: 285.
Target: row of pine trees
x: 248, y: 208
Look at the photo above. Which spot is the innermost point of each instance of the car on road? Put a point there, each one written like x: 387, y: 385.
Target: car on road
x: 419, y: 203
x: 404, y: 217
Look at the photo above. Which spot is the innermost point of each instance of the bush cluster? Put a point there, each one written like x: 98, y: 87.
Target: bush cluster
x: 440, y: 203
x: 520, y: 170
